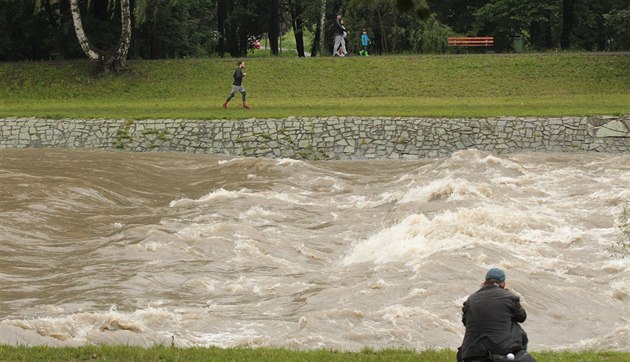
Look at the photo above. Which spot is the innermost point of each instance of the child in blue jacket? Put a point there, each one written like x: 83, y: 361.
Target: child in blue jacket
x: 365, y: 41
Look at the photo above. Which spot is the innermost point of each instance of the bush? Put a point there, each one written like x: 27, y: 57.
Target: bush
x: 435, y: 36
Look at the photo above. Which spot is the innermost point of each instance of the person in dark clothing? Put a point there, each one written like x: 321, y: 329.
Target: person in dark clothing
x: 492, y: 316
x: 340, y: 33
x: 237, y: 85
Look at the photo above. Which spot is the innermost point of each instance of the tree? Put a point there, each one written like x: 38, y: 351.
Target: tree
x: 240, y: 19
x: 24, y: 35
x: 297, y: 22
x: 112, y: 60
x: 374, y: 6
x: 567, y: 23
x: 457, y: 14
x: 419, y: 7
x: 100, y: 29
x: 274, y: 26
x: 221, y: 16
x: 322, y: 27
x: 397, y: 24
x: 174, y: 29
x: 506, y: 19
x: 617, y: 23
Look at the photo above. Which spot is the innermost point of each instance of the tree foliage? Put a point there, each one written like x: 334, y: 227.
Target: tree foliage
x: 42, y: 29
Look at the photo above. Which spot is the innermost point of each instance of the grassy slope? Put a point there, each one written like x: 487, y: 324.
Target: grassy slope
x: 454, y: 86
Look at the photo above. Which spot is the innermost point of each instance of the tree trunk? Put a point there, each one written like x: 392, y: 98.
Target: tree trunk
x: 274, y: 27
x: 567, y: 23
x: 120, y: 55
x: 221, y: 15
x: 299, y: 37
x: 296, y: 21
x: 383, y: 37
x: 84, y: 42
x: 322, y: 26
x: 154, y: 43
x: 315, y: 45
x: 107, y: 61
x: 53, y: 8
x: 242, y: 43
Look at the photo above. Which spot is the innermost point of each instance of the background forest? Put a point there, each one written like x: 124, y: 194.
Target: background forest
x: 42, y: 29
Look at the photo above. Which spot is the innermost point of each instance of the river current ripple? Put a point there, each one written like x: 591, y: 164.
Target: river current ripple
x: 158, y: 248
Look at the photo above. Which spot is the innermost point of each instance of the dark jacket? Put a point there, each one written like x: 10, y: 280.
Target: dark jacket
x: 339, y: 29
x: 491, y: 316
x: 238, y: 76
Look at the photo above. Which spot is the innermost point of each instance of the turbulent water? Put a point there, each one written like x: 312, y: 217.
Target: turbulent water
x: 195, y: 250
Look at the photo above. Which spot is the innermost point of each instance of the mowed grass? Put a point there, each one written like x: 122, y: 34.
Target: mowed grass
x: 482, y: 85
x: 161, y: 353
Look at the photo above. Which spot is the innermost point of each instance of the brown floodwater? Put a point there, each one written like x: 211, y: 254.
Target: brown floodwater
x: 144, y: 248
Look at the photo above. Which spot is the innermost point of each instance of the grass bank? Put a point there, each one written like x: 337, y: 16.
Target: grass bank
x: 439, y: 86
x: 125, y: 353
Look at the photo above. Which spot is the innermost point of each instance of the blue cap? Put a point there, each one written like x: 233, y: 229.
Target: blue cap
x: 496, y: 274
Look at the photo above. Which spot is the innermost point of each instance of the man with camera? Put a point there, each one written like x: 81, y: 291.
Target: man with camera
x: 492, y: 316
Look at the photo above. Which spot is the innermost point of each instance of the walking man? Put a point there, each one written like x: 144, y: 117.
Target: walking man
x: 237, y: 85
x: 492, y: 316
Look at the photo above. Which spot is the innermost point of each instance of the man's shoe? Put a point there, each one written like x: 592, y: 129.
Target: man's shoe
x: 245, y: 105
x: 225, y: 105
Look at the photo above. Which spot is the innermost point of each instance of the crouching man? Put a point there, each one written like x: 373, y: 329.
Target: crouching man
x: 492, y: 316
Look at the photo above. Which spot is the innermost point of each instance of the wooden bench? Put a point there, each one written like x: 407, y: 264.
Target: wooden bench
x: 471, y: 41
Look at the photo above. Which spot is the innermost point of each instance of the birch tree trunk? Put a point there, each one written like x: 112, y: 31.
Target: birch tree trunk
x: 120, y: 56
x: 78, y: 29
x: 107, y: 60
x: 322, y: 25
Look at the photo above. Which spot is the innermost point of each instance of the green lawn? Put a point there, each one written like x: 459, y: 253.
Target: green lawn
x: 434, y: 86
x: 161, y: 353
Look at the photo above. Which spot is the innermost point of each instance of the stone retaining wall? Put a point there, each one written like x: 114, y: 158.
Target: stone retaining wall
x: 327, y: 137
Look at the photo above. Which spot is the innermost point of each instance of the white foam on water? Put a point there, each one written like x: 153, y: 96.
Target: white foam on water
x: 197, y: 231
x: 206, y: 284
x: 402, y: 242
x: 231, y: 160
x: 442, y: 189
x: 256, y: 212
x: 525, y: 239
x: 289, y: 162
x: 79, y: 326
x: 248, y: 249
x: 217, y: 194
x: 366, y: 202
x: 506, y: 180
x: 617, y: 339
x: 417, y: 237
x: 228, y: 339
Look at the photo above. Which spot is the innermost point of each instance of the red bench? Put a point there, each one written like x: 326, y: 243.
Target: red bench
x: 471, y: 41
